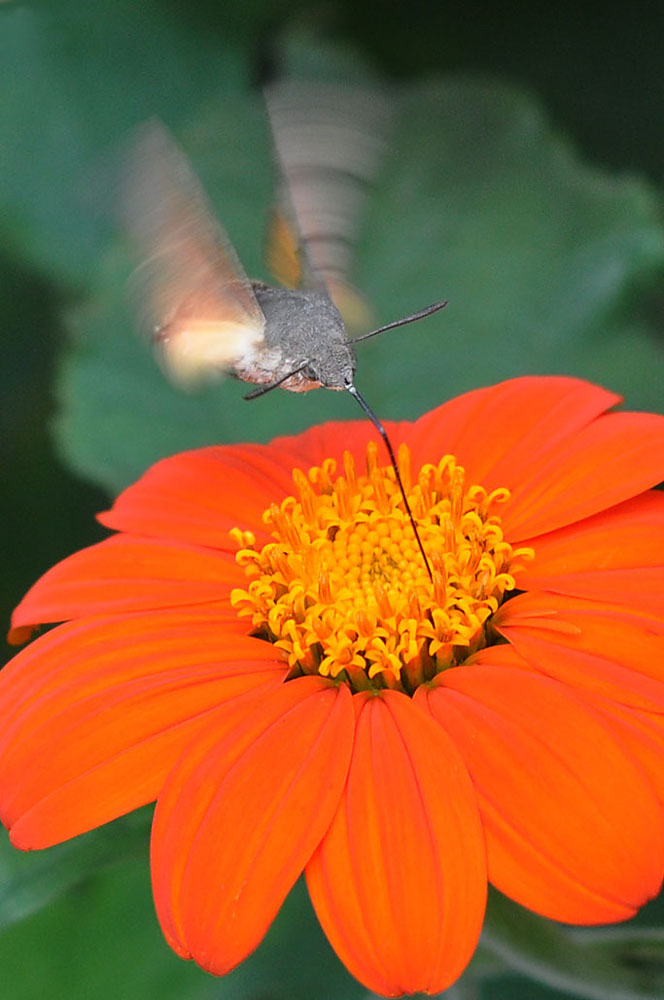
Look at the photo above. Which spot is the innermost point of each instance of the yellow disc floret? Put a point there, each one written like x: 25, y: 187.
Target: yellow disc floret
x: 344, y: 589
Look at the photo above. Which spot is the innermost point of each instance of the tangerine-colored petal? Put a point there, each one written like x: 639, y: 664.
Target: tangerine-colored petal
x: 198, y: 496
x: 610, y: 652
x: 127, y: 574
x: 498, y: 431
x: 97, y: 712
x: 573, y: 826
x: 241, y: 814
x: 331, y: 440
x: 503, y: 655
x: 628, y: 535
x: 643, y: 735
x: 616, y: 556
x: 550, y: 442
x: 484, y: 428
x: 399, y: 880
x: 608, y: 461
x: 639, y: 587
x: 641, y: 732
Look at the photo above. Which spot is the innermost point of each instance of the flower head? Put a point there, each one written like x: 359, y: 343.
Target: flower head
x: 261, y: 649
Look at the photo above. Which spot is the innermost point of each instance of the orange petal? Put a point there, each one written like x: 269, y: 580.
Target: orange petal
x: 643, y: 735
x: 574, y: 829
x: 241, y: 814
x: 128, y: 574
x: 608, y: 652
x: 198, y: 496
x: 399, y: 881
x: 484, y: 427
x: 497, y: 432
x: 616, y: 556
x: 632, y: 588
x: 99, y: 711
x: 502, y: 655
x: 330, y: 440
x: 641, y: 732
x: 610, y: 460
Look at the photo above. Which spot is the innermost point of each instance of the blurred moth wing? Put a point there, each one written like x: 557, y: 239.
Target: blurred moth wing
x: 193, y: 299
x: 283, y: 253
x: 329, y: 143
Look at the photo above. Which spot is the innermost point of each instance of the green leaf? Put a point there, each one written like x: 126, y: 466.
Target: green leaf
x: 615, y: 964
x: 75, y: 81
x: 545, y: 262
x: 101, y: 939
x: 103, y: 936
x: 538, y: 253
x: 29, y: 881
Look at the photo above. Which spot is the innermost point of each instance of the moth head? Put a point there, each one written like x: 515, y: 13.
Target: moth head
x: 334, y: 368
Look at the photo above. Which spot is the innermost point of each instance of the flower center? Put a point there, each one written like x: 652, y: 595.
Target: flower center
x: 343, y: 589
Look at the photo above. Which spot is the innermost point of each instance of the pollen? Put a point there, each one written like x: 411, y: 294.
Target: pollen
x: 343, y: 589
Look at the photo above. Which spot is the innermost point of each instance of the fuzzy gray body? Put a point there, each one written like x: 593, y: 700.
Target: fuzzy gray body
x: 301, y: 328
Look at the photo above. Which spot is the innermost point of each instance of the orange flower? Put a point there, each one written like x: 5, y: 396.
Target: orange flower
x: 263, y: 653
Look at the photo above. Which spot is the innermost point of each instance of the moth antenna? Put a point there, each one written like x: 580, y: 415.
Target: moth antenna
x: 262, y: 389
x: 383, y: 433
x: 401, y: 322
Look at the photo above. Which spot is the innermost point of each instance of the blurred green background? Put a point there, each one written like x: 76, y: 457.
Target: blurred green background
x: 523, y: 183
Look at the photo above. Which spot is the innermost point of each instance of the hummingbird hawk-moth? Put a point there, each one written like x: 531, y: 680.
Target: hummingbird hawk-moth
x: 203, y: 314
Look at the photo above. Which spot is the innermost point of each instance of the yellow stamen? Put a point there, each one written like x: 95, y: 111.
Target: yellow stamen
x: 343, y: 589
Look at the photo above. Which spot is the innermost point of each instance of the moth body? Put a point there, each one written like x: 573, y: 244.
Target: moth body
x: 302, y: 328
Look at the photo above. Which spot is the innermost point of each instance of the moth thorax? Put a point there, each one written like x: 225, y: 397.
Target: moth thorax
x: 306, y: 327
